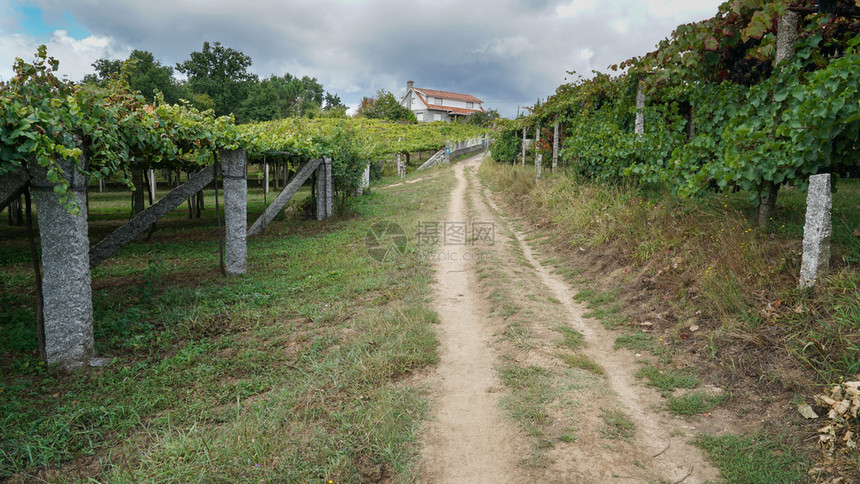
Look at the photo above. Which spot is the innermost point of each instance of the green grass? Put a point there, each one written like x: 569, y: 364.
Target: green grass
x: 634, y: 341
x: 582, y: 362
x: 669, y: 379
x: 617, y: 425
x: 602, y: 306
x: 287, y: 373
x: 518, y: 334
x: 572, y: 338
x: 531, y: 390
x: 755, y: 459
x: 695, y: 403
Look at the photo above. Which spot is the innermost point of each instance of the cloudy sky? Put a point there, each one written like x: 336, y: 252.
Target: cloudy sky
x: 506, y: 52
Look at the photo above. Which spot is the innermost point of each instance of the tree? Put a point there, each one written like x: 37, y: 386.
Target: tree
x: 384, y: 106
x: 482, y: 118
x: 221, y: 73
x: 333, y: 101
x: 143, y: 72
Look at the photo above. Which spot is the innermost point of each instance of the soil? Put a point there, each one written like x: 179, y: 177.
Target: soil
x: 468, y: 439
x: 471, y: 438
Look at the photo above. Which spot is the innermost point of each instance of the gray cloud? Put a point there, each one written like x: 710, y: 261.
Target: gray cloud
x: 506, y: 52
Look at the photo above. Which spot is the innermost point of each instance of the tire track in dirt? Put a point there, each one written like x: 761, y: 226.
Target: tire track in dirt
x: 659, y: 448
x: 468, y: 438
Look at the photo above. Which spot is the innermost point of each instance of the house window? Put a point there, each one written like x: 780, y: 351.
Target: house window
x: 471, y: 105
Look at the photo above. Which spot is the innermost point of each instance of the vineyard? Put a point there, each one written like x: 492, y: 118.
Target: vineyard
x: 755, y: 98
x: 56, y: 138
x: 45, y: 119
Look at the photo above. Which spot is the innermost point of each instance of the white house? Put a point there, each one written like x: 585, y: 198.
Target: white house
x: 431, y: 105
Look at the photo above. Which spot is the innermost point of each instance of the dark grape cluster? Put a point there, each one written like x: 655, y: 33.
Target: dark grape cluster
x: 840, y: 8
x: 748, y: 71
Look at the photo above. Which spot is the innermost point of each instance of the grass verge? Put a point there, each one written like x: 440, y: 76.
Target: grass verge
x: 289, y: 373
x: 755, y: 459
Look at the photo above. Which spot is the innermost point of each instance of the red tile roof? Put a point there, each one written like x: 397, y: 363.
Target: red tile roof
x: 448, y: 95
x: 448, y: 109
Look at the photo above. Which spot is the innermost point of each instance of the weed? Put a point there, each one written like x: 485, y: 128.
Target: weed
x: 634, y: 341
x: 695, y: 403
x: 531, y: 390
x: 573, y: 339
x: 618, y: 426
x: 758, y: 458
x: 669, y: 379
x: 519, y: 335
x: 582, y: 362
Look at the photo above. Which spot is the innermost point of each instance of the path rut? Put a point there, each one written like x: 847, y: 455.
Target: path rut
x: 470, y: 439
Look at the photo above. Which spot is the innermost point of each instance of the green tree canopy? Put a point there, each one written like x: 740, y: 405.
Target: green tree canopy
x: 143, y: 72
x: 384, y: 106
x: 221, y: 73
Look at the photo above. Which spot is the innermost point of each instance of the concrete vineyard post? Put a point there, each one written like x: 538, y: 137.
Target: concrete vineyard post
x: 234, y: 174
x: 66, y: 277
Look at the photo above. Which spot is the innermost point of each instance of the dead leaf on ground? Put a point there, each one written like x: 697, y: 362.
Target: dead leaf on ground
x: 806, y: 410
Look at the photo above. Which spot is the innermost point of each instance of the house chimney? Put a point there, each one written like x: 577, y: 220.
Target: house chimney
x: 409, y: 85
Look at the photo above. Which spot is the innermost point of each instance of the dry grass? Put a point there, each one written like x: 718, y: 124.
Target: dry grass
x: 680, y: 264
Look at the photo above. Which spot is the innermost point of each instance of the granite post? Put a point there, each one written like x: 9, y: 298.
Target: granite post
x: 555, y: 145
x: 817, y: 231
x: 66, y: 278
x: 525, y: 130
x: 233, y: 170
x: 325, y: 190
x: 639, y: 127
x: 329, y: 188
x: 538, y: 154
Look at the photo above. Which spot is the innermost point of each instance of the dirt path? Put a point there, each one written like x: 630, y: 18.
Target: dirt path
x: 508, y: 310
x: 468, y: 439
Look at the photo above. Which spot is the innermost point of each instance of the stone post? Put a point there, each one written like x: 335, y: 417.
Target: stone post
x: 365, y: 180
x: 639, y: 128
x: 66, y: 278
x: 538, y: 154
x: 329, y: 189
x: 234, y: 172
x: 525, y: 130
x: 817, y: 231
x: 266, y: 178
x: 555, y: 145
x: 153, y: 187
x: 786, y: 36
x: 447, y: 152
x: 325, y: 190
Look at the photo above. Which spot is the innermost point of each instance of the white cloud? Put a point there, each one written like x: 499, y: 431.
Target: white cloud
x: 75, y: 55
x: 505, y: 46
x: 574, y: 8
x: 622, y: 25
x: 507, y: 52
